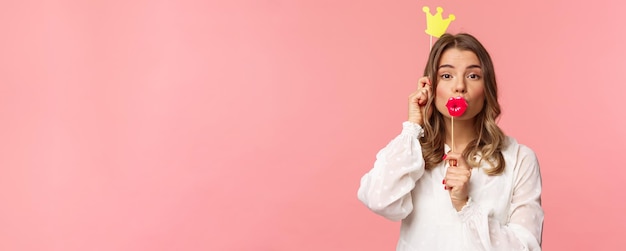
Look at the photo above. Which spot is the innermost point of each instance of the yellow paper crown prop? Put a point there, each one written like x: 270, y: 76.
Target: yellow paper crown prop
x: 435, y: 24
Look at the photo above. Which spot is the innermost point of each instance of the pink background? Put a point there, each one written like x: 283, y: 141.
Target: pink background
x: 246, y: 125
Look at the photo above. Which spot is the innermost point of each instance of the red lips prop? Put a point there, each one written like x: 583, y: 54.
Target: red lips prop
x: 456, y: 106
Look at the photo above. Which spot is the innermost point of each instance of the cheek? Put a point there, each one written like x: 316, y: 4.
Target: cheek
x: 441, y: 96
x: 441, y: 99
x: 440, y: 92
x: 479, y: 102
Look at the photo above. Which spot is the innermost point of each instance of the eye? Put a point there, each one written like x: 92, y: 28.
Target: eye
x: 473, y: 76
x: 446, y: 76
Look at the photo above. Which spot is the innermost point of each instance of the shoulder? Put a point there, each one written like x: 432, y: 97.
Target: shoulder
x: 513, y: 147
x: 519, y: 156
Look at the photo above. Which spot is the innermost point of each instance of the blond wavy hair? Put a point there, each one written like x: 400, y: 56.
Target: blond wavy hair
x: 491, y: 139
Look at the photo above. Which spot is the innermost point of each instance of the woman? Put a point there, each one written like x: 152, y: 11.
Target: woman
x: 480, y: 190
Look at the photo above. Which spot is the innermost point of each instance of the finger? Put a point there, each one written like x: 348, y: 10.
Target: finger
x: 453, y: 179
x: 427, y: 92
x: 423, y: 82
x: 423, y: 96
x: 452, y: 162
x: 424, y: 88
x: 456, y: 159
x: 450, y: 159
x: 414, y: 97
x: 460, y: 164
x: 458, y: 170
x: 457, y: 180
x: 452, y: 184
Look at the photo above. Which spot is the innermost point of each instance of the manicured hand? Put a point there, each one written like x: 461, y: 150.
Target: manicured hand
x: 457, y: 180
x: 418, y: 101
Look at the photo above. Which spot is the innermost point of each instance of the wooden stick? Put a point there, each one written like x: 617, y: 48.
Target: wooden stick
x: 452, y: 161
x: 452, y: 133
x: 431, y: 42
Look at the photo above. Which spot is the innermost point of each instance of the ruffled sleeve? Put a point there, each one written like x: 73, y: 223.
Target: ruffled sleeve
x: 386, y: 188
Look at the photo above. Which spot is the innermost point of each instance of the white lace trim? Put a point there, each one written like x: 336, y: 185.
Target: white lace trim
x: 412, y: 129
x: 469, y: 210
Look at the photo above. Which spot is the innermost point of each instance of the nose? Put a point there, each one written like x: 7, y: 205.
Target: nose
x: 460, y: 86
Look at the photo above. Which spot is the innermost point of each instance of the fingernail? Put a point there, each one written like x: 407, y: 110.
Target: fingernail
x: 444, y: 157
x: 443, y: 182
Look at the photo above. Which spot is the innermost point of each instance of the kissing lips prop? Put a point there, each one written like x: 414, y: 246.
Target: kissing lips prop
x: 456, y: 106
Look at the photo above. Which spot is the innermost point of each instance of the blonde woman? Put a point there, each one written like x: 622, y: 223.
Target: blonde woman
x: 484, y: 195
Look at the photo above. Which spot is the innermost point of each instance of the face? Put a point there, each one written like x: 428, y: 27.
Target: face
x: 459, y: 73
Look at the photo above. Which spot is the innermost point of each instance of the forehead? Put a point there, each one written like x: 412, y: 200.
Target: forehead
x: 458, y: 58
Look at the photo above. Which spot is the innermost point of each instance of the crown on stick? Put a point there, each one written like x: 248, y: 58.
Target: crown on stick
x: 435, y: 24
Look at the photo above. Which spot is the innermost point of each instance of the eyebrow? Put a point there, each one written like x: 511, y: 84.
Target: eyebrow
x: 450, y: 66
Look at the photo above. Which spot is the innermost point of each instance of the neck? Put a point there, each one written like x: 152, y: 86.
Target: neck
x: 463, y: 133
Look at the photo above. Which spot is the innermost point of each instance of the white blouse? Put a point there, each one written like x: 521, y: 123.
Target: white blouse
x: 503, y: 213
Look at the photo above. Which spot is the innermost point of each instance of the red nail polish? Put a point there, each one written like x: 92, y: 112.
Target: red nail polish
x: 443, y: 182
x: 444, y: 157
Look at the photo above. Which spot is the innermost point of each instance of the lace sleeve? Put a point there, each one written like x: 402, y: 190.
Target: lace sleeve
x: 386, y: 188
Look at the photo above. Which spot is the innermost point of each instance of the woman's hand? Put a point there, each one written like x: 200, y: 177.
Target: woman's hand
x: 457, y: 180
x: 418, y: 100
